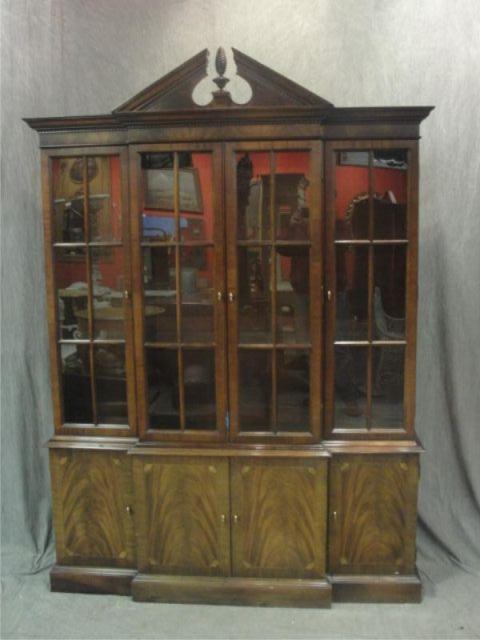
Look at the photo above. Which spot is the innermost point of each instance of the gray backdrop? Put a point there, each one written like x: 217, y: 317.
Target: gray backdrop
x: 69, y: 57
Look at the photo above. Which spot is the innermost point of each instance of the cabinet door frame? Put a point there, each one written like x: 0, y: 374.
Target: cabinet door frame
x: 188, y: 435
x: 315, y: 148
x: 83, y: 429
x: 411, y: 286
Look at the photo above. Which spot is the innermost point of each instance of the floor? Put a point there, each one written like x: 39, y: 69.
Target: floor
x: 450, y: 609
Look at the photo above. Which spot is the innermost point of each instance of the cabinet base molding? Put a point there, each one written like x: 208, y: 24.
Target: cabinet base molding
x: 98, y: 580
x: 375, y: 588
x: 232, y: 591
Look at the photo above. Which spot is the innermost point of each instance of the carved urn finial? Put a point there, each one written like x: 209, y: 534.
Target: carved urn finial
x: 220, y: 66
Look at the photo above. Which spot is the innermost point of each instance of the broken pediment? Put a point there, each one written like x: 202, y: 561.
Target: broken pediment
x: 174, y: 91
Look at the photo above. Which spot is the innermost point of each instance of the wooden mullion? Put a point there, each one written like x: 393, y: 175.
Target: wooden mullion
x: 86, y: 231
x: 178, y: 285
x: 370, y: 291
x: 273, y: 289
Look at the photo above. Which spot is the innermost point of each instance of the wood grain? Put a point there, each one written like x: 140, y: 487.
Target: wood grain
x: 278, y: 517
x: 182, y: 515
x: 92, y: 503
x: 372, y: 514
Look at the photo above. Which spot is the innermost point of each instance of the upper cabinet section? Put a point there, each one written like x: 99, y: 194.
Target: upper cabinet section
x: 166, y: 110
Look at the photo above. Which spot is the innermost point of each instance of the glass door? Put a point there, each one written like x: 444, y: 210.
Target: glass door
x: 179, y: 266
x: 273, y: 201
x: 89, y: 290
x: 371, y: 201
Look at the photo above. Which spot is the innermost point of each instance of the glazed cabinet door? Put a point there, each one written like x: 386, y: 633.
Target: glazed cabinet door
x: 371, y: 281
x: 92, y: 508
x: 279, y: 514
x: 274, y: 255
x: 89, y: 290
x: 182, y: 515
x: 179, y: 273
x: 372, y: 503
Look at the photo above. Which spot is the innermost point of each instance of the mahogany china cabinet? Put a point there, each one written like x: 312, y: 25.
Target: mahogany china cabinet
x: 232, y: 317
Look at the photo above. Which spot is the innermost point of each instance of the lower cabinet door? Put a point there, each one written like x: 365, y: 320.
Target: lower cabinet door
x: 92, y: 507
x: 373, y: 501
x: 279, y: 513
x: 182, y: 515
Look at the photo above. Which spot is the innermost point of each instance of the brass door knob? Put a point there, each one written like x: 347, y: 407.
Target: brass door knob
x: 235, y: 518
x: 231, y: 296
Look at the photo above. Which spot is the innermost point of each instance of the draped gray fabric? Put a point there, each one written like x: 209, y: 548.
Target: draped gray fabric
x: 69, y: 57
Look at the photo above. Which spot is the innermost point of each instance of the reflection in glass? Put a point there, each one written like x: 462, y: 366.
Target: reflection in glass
x: 104, y: 203
x: 255, y: 389
x: 254, y: 304
x: 159, y: 294
x: 388, y: 380
x: 197, y: 268
x: 199, y: 385
x: 350, y: 387
x: 351, y: 195
x: 253, y: 195
x: 76, y: 383
x: 72, y: 291
x: 293, y: 390
x: 68, y: 199
x: 110, y: 384
x: 292, y: 195
x: 389, y: 292
x: 352, y: 292
x: 292, y: 274
x: 162, y: 384
x: 158, y: 221
x: 390, y: 193
x: 108, y: 284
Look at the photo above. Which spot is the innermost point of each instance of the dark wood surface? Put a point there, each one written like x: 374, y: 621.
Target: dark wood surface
x: 278, y: 517
x: 234, y: 591
x: 182, y: 515
x: 97, y: 580
x: 372, y: 504
x: 93, y: 507
x: 376, y: 589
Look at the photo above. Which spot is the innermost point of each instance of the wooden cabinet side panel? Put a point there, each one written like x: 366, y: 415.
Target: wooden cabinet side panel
x: 182, y: 515
x: 92, y: 498
x: 373, y: 507
x: 279, y: 517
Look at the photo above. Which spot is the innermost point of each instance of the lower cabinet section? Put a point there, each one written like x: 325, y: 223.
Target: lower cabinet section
x: 182, y: 515
x: 373, y: 511
x: 233, y: 528
x: 279, y: 517
x: 93, y: 507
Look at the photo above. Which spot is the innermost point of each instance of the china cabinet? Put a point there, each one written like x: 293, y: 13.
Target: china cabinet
x: 232, y: 315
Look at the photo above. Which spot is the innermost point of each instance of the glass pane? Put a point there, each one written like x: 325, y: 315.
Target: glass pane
x: 162, y: 382
x: 352, y: 292
x: 388, y: 379
x: 197, y: 280
x: 196, y: 202
x: 255, y: 390
x: 76, y: 383
x: 111, y: 384
x: 108, y: 287
x: 199, y: 385
x: 253, y: 195
x: 68, y: 199
x: 292, y: 195
x: 158, y: 221
x: 293, y: 284
x: 160, y: 296
x: 350, y: 387
x: 254, y: 304
x: 389, y: 292
x: 390, y: 193
x: 351, y: 195
x: 104, y: 199
x: 72, y: 292
x: 293, y: 390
